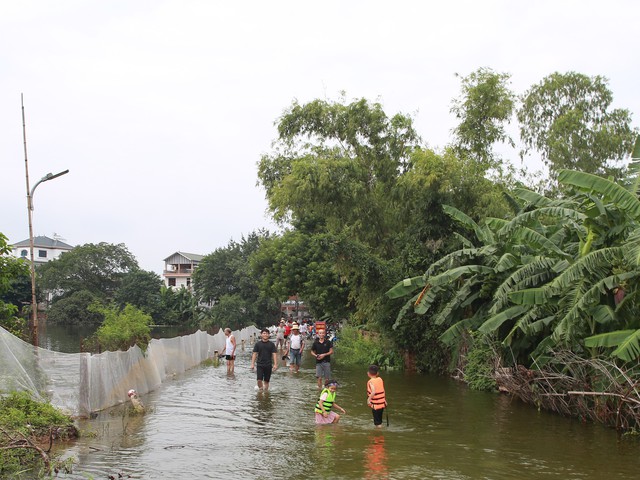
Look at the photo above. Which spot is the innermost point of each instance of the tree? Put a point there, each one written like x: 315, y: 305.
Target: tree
x: 123, y: 328
x: 227, y: 272
x: 303, y: 264
x: 97, y: 268
x: 559, y: 274
x: 338, y: 162
x: 73, y: 309
x: 140, y: 288
x: 485, y: 105
x: 11, y: 271
x: 568, y: 118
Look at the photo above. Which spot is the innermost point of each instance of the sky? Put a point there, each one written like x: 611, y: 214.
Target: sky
x: 161, y: 110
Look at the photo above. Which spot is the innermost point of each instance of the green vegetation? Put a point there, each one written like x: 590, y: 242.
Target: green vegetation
x: 123, y: 328
x: 360, y: 347
x: 27, y: 427
x: 478, y: 371
x: 12, y: 272
x: 224, y: 279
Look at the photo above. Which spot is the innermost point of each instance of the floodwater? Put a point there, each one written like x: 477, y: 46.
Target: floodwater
x: 206, y: 424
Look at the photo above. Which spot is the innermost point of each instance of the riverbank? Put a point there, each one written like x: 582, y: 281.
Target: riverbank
x: 28, y: 430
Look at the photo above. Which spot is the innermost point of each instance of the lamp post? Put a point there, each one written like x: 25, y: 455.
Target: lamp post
x: 34, y: 302
x: 30, y: 192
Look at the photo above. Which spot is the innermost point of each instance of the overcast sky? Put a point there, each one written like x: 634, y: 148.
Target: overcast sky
x: 162, y: 109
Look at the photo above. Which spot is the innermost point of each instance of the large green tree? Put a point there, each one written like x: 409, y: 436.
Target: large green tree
x: 302, y: 263
x: 98, y: 268
x: 339, y: 162
x: 141, y: 289
x: 224, y: 278
x: 569, y: 119
x: 486, y: 104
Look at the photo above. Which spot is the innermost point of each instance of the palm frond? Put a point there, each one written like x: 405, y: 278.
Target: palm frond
x: 532, y: 274
x: 460, y: 298
x: 627, y: 342
x: 513, y: 204
x: 532, y: 198
x: 495, y: 322
x: 596, y: 263
x: 406, y: 286
x: 611, y: 191
x: 455, y: 331
x: 530, y: 296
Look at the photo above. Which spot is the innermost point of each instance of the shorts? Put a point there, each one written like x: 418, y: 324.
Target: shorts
x: 377, y: 416
x: 295, y: 357
x: 323, y: 370
x: 320, y: 420
x: 264, y: 373
x: 230, y: 357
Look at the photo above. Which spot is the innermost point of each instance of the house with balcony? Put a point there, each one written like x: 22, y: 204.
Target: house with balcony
x: 45, y: 249
x: 179, y: 268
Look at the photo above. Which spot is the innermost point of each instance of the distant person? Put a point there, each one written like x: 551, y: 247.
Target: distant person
x: 304, y: 329
x: 230, y: 350
x: 376, y: 399
x: 264, y: 357
x: 324, y: 405
x: 322, y: 349
x: 295, y: 347
x: 280, y: 335
x: 287, y: 329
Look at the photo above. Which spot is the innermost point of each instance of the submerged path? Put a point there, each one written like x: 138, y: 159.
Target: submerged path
x: 205, y: 424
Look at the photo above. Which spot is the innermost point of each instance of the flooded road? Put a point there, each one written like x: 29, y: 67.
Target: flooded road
x: 205, y: 424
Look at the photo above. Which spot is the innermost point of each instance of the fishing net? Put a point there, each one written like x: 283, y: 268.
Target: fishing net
x: 81, y: 383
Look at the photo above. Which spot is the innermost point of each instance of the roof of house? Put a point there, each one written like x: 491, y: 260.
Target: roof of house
x: 44, y: 241
x: 194, y: 257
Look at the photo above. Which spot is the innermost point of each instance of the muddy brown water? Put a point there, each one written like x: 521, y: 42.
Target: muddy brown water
x: 206, y: 424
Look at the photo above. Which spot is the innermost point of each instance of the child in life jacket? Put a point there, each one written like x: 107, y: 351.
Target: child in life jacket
x: 327, y: 400
x: 376, y: 397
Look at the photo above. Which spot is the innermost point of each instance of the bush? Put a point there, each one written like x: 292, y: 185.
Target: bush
x: 360, y: 347
x: 124, y: 328
x: 24, y: 423
x: 478, y: 372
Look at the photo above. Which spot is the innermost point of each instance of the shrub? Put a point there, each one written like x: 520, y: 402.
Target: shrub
x: 360, y: 347
x: 124, y: 328
x: 24, y: 423
x: 478, y: 372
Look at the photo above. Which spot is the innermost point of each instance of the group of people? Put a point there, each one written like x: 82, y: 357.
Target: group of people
x: 265, y: 355
x: 264, y: 360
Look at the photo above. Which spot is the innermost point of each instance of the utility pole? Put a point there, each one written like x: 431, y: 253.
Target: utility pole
x: 30, y: 192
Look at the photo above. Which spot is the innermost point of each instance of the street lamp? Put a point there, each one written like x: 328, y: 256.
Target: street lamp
x: 34, y: 302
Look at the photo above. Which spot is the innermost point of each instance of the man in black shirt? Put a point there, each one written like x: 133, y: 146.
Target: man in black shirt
x: 322, y: 350
x: 264, y: 352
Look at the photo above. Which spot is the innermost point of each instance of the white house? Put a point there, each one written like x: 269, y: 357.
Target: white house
x: 45, y: 249
x: 178, y: 269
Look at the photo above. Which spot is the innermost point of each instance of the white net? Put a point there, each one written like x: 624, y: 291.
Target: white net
x: 81, y: 383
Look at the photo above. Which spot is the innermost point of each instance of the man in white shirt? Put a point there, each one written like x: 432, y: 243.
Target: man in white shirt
x: 295, y: 347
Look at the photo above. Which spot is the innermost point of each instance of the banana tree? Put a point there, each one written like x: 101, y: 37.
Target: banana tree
x: 559, y: 273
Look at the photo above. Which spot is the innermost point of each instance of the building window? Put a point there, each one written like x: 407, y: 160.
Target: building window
x: 188, y: 282
x: 42, y: 254
x: 23, y: 253
x: 171, y: 282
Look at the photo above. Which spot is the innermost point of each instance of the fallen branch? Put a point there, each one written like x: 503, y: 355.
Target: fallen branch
x: 606, y: 394
x: 26, y: 443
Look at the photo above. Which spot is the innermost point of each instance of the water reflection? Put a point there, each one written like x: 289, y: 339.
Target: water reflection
x: 207, y: 424
x: 375, y: 457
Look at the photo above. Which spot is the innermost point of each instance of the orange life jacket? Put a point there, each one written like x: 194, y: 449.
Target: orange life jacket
x: 379, y: 400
